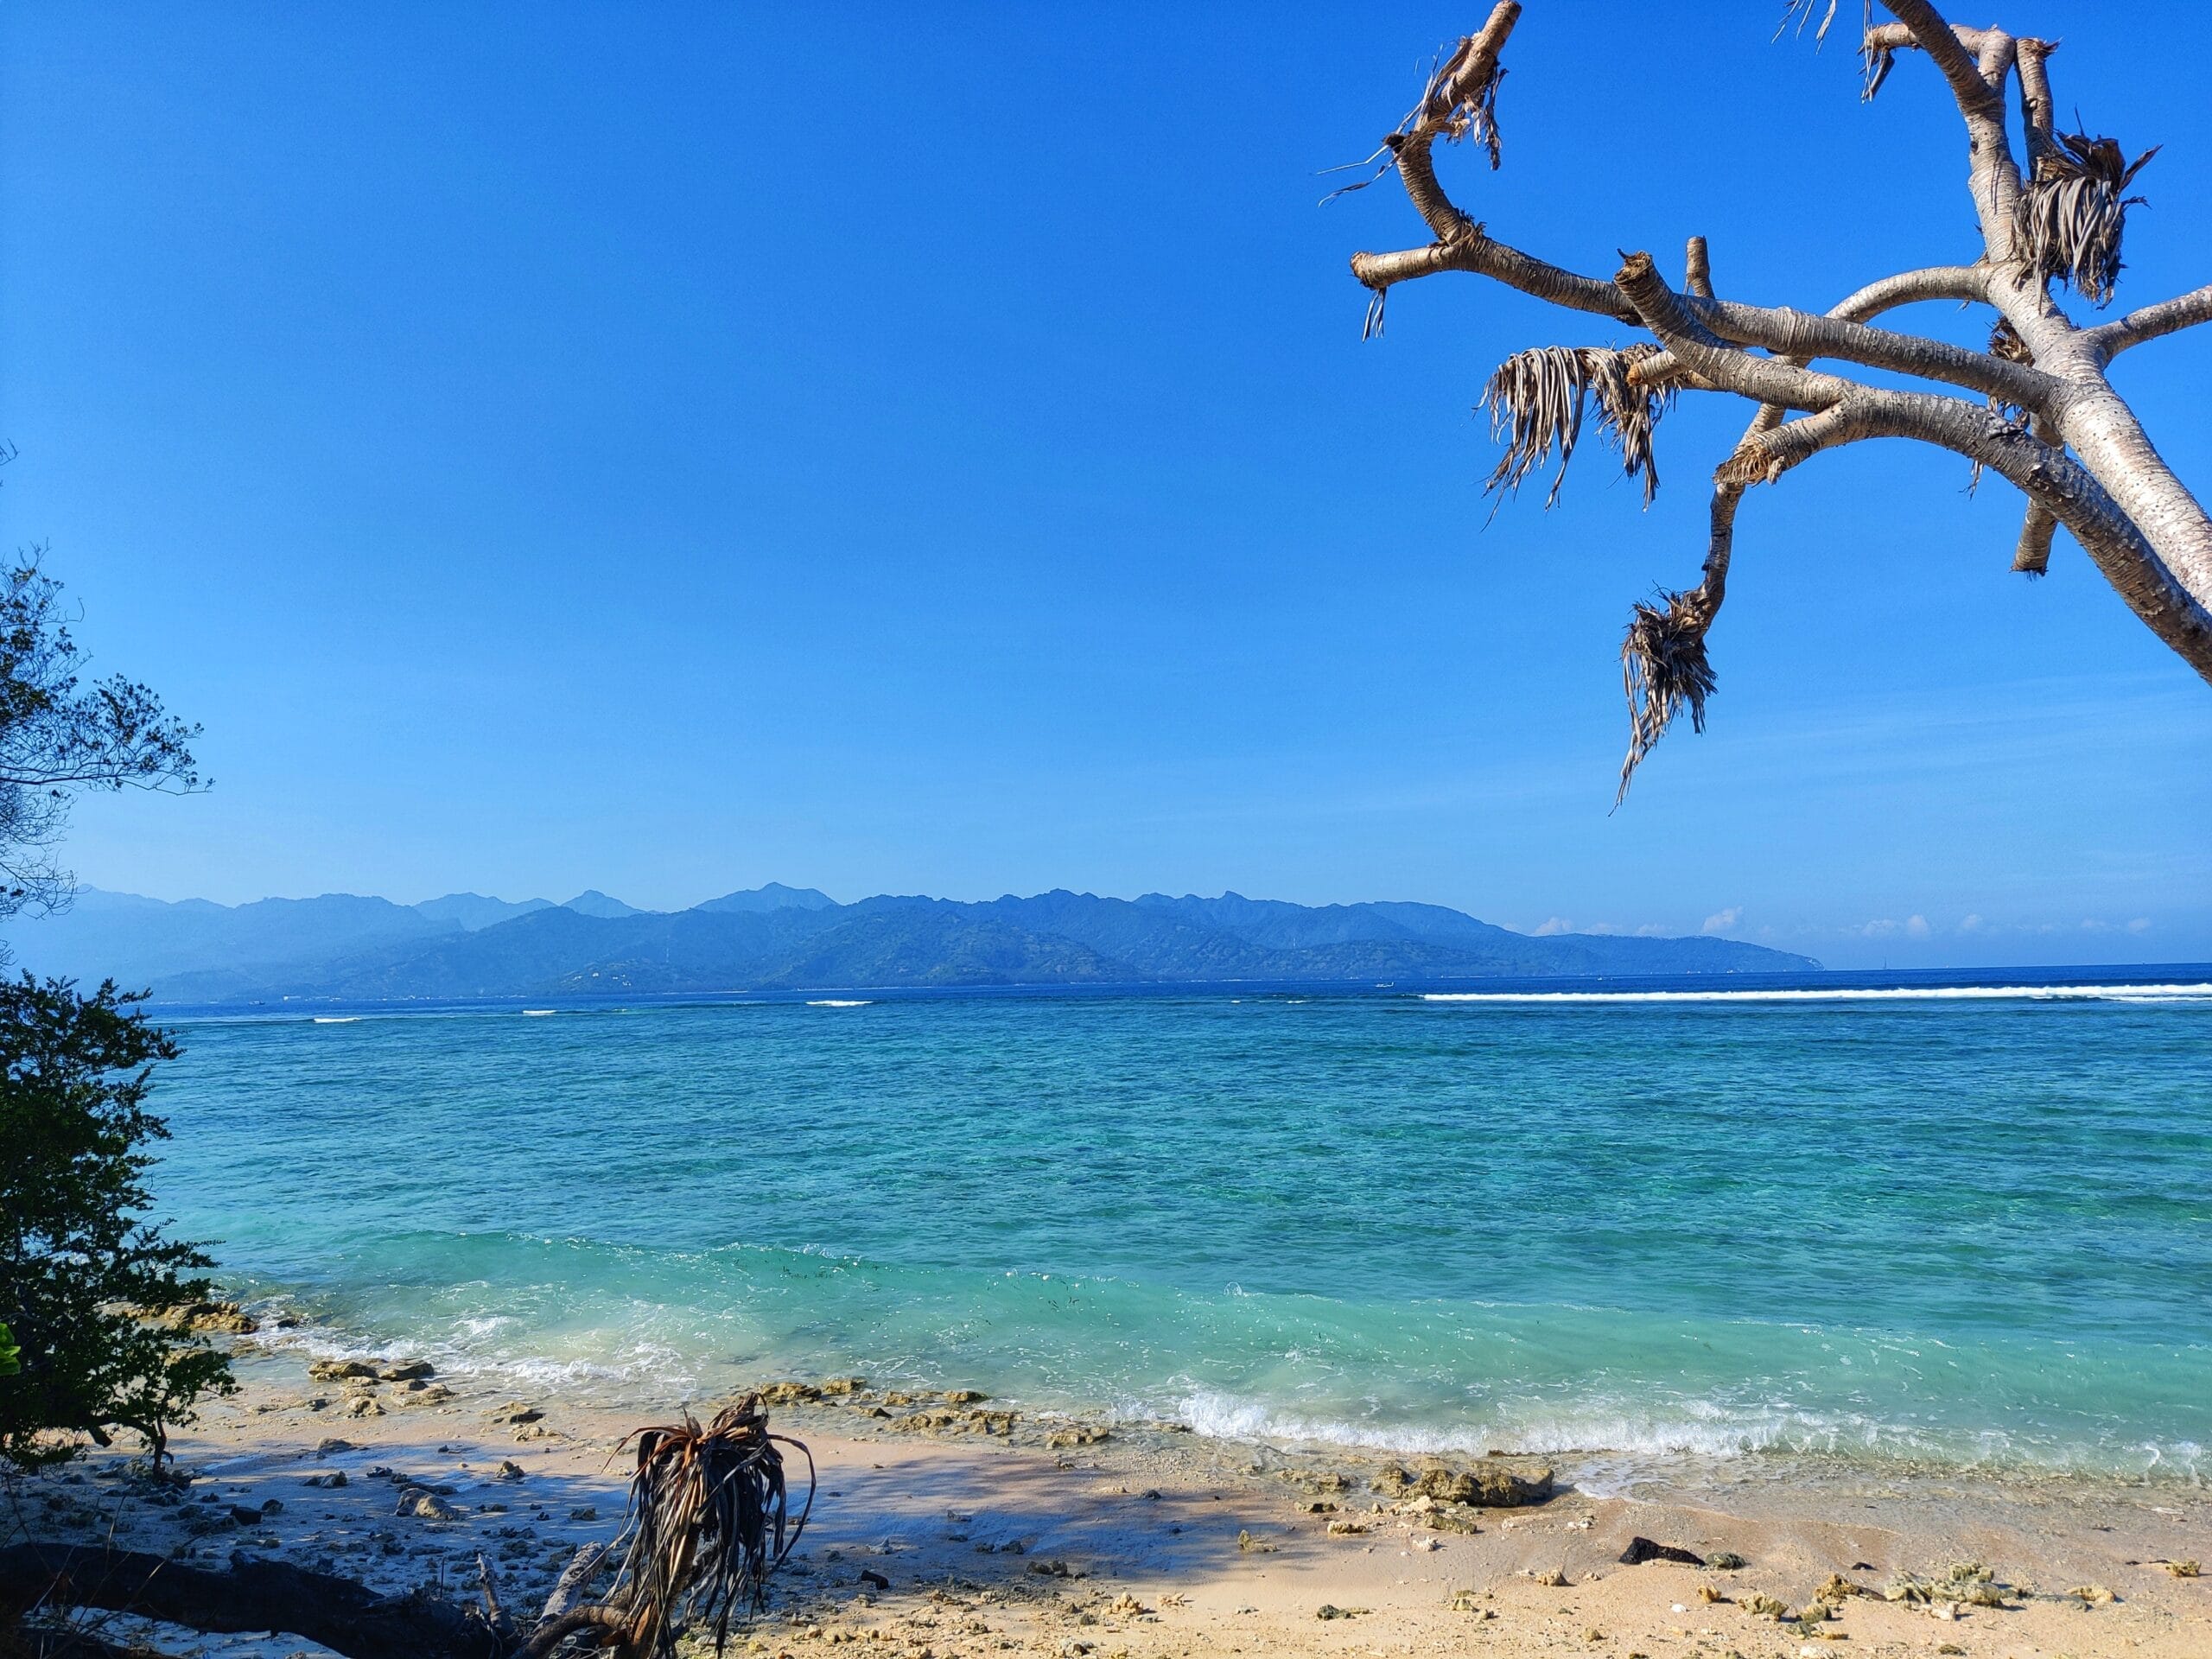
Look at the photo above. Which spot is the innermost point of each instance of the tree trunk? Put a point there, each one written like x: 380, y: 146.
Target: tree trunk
x: 252, y: 1595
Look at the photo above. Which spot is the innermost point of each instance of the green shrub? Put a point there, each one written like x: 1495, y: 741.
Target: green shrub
x: 81, y: 1267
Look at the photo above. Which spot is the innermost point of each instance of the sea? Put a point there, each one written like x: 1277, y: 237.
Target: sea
x: 1904, y: 1220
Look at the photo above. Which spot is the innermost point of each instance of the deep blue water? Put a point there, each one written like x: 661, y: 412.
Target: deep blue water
x: 1957, y: 1228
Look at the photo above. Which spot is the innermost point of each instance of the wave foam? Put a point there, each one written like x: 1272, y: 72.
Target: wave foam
x: 1843, y: 994
x: 1716, y: 1434
x: 842, y: 1003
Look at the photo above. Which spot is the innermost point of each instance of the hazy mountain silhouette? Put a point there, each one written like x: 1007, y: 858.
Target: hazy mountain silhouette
x: 473, y: 910
x: 774, y: 896
x: 592, y: 902
x: 466, y: 946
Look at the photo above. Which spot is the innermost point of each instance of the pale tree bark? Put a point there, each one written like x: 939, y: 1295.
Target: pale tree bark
x: 2042, y: 412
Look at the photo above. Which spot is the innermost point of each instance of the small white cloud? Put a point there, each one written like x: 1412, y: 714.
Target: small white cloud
x: 2140, y: 924
x: 1552, y: 924
x: 1601, y: 927
x: 1888, y: 927
x: 1650, y: 931
x: 1972, y: 925
x: 1721, y: 920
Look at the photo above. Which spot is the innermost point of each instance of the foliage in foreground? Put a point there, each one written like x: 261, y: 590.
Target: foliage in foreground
x: 80, y: 1267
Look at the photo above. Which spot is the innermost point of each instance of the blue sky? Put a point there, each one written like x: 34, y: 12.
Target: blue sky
x: 932, y: 450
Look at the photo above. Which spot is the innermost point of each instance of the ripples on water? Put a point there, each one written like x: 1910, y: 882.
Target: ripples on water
x: 1969, y: 1228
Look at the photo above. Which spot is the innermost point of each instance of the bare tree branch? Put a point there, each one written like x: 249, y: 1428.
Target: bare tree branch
x: 1472, y: 251
x: 2038, y: 526
x: 1697, y: 269
x: 2046, y: 418
x: 1803, y: 336
x: 1909, y: 287
x: 1958, y: 53
x: 2168, y: 316
x: 2036, y: 120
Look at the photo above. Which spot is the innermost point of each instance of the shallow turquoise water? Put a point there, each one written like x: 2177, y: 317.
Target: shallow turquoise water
x: 1965, y: 1230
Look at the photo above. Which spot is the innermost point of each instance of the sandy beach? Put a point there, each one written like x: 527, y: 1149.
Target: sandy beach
x: 945, y: 1526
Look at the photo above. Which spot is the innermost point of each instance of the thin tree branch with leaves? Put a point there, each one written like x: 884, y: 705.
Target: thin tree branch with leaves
x: 60, y: 737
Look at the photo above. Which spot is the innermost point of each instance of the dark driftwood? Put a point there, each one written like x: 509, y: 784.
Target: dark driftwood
x: 60, y: 1642
x: 252, y: 1595
x: 708, y: 1521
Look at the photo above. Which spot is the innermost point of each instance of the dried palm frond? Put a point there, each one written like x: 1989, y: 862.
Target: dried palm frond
x: 2004, y: 344
x: 1750, y: 463
x: 1461, y: 107
x: 1458, y: 101
x: 707, y: 1518
x: 2075, y: 210
x: 1800, y: 12
x: 1875, y: 59
x: 1628, y: 411
x: 1536, y: 400
x: 1664, y: 670
x: 1371, y: 327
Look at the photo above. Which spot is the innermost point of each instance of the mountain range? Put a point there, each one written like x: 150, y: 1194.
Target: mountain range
x: 341, y: 946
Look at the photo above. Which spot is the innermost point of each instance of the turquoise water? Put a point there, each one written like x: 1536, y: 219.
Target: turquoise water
x: 1949, y: 1228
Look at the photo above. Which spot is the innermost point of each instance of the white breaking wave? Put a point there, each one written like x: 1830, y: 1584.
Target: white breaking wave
x: 538, y: 1014
x: 1694, y: 1431
x: 841, y: 1003
x: 490, y: 1347
x: 336, y: 1019
x: 1840, y: 994
x: 1602, y: 1434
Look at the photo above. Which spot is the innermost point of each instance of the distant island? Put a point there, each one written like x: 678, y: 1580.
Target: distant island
x: 463, y: 946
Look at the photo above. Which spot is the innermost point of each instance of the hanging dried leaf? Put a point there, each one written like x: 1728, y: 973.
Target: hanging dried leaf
x: 1537, y: 399
x: 1800, y: 12
x: 1458, y: 101
x: 1878, y: 61
x: 1664, y: 670
x: 2075, y: 210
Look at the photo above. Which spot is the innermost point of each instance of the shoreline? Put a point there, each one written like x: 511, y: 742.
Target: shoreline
x: 1607, y: 1468
x: 966, y: 1518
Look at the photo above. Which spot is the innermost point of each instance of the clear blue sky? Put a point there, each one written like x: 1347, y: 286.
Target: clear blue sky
x: 932, y: 450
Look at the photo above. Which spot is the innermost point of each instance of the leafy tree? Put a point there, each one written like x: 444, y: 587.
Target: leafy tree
x: 79, y: 1268
x: 60, y: 736
x: 85, y: 1279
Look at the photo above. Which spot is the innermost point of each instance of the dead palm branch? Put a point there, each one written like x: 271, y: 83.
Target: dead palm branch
x: 1536, y: 400
x: 2037, y: 408
x: 709, y: 1517
x: 1664, y: 670
x: 2075, y: 210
